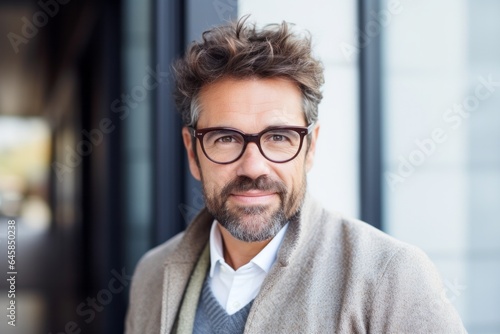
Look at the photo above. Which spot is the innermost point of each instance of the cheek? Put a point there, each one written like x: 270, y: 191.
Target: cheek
x: 214, y: 177
x: 293, y: 174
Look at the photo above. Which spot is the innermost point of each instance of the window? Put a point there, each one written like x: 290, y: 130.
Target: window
x: 442, y: 158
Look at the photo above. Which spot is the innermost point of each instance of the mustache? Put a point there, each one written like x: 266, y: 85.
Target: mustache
x: 244, y: 183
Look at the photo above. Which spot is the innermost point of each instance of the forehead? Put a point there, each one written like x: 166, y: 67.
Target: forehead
x: 250, y: 104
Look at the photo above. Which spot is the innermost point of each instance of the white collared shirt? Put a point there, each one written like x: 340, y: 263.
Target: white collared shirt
x: 235, y: 289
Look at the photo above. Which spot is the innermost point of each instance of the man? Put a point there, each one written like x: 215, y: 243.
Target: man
x: 263, y: 256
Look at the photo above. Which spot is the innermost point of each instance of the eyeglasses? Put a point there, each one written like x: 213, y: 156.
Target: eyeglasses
x: 226, y: 145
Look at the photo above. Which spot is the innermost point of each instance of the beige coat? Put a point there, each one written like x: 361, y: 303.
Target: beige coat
x: 332, y: 275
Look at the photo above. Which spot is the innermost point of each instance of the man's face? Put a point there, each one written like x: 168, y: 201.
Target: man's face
x: 252, y: 197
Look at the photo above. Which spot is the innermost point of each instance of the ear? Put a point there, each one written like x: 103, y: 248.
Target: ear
x: 312, y: 148
x: 193, y: 162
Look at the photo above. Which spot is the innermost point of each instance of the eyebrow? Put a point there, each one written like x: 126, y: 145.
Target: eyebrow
x: 253, y: 133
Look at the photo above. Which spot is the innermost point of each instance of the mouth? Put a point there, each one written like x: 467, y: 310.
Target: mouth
x: 253, y: 197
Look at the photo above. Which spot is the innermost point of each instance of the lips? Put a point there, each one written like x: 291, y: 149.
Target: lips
x: 253, y: 197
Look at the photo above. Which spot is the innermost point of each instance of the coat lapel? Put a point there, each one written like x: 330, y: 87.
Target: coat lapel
x: 176, y: 277
x: 179, y: 266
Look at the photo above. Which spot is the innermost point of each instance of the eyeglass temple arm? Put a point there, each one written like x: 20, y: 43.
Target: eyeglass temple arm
x: 192, y: 131
x: 310, y: 127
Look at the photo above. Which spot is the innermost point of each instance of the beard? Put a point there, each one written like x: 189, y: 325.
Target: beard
x: 254, y: 223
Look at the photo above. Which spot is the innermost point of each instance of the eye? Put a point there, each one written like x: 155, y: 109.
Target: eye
x: 222, y: 137
x: 225, y: 139
x: 281, y: 138
x: 278, y: 138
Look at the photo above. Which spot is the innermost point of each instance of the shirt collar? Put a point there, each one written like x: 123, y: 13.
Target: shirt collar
x: 264, y: 259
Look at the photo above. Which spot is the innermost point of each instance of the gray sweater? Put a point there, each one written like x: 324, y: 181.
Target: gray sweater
x: 332, y: 275
x: 212, y: 318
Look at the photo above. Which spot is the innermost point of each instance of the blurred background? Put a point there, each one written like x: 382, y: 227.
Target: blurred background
x: 92, y: 167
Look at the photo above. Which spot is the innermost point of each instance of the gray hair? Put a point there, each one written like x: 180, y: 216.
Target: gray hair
x: 240, y: 50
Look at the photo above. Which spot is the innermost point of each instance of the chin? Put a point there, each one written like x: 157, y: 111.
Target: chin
x: 253, y: 224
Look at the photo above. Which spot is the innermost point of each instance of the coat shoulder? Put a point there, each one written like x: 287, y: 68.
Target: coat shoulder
x: 143, y: 314
x: 153, y: 260
x: 402, y: 290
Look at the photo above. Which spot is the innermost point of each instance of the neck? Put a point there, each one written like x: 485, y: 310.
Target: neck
x: 237, y: 253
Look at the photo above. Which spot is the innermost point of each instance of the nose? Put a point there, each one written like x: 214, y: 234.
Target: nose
x: 252, y: 163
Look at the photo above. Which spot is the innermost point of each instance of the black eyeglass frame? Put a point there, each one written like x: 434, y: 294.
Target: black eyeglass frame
x: 252, y: 138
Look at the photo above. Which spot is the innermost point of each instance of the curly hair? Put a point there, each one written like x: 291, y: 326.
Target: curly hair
x: 240, y: 50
